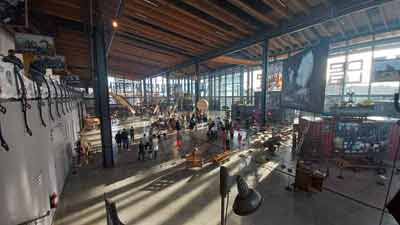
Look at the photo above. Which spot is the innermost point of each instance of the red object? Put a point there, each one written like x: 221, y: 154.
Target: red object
x: 53, y: 200
x: 319, y: 129
x: 394, y: 140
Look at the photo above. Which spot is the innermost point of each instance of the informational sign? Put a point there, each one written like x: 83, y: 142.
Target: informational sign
x: 37, y: 44
x: 54, y: 62
x: 305, y: 78
x: 386, y: 70
x: 275, y: 76
x: 71, y: 79
x: 14, y: 12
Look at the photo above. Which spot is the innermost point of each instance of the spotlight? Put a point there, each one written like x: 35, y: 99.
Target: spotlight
x: 114, y: 23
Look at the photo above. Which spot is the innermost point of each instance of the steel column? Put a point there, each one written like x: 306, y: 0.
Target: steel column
x: 168, y: 88
x: 102, y: 93
x: 264, y: 82
x: 144, y: 92
x: 197, y: 84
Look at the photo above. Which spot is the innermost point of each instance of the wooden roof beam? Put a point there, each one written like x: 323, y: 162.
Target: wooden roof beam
x: 277, y: 6
x: 302, y: 5
x: 176, y: 10
x: 221, y: 14
x: 253, y: 12
x: 293, y: 40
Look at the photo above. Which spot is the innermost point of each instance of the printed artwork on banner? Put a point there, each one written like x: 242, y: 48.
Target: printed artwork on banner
x: 14, y: 12
x: 386, y: 70
x: 37, y: 44
x: 275, y: 76
x: 305, y: 78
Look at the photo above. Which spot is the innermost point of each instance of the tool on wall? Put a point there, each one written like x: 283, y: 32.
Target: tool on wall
x: 49, y: 102
x: 56, y: 98
x: 18, y: 66
x: 2, y: 140
x: 62, y: 98
x: 69, y: 99
x: 37, y: 70
x: 66, y: 99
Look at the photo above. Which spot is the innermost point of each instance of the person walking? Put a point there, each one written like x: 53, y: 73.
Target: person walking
x: 125, y: 139
x: 118, y: 139
x: 151, y: 147
x: 155, y: 147
x: 141, y: 151
x: 132, y: 134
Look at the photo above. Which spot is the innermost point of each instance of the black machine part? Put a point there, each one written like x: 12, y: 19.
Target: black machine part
x: 49, y: 99
x: 40, y: 103
x: 2, y: 140
x: 57, y: 96
x: 11, y: 58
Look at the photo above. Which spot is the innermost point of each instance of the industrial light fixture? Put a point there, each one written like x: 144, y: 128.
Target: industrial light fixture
x: 246, y: 202
x: 114, y: 23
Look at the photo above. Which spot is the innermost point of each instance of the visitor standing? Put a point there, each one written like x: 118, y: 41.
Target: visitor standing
x: 118, y: 139
x: 141, y: 150
x: 155, y: 147
x: 132, y: 134
x: 125, y: 139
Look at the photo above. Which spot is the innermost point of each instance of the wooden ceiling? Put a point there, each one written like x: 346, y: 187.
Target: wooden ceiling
x: 156, y: 34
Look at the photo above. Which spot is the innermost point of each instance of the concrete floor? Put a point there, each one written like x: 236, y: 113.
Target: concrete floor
x: 162, y: 191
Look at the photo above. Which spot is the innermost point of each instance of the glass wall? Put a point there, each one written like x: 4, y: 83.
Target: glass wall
x: 350, y: 73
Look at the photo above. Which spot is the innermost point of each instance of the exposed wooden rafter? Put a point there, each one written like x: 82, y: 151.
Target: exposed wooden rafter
x: 253, y: 12
x: 278, y: 6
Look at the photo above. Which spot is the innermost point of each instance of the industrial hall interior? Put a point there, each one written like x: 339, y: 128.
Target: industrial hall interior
x: 199, y: 112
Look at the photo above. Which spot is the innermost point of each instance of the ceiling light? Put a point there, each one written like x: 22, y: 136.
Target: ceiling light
x: 114, y: 23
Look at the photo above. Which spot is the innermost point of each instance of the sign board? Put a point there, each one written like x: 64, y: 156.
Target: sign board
x: 14, y: 12
x: 386, y: 70
x: 275, y: 77
x: 55, y: 62
x: 71, y: 79
x: 38, y: 44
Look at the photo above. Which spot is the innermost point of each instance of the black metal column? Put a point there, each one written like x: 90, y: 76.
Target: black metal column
x: 168, y: 88
x: 102, y: 93
x: 241, y: 90
x: 264, y: 82
x: 197, y: 84
x: 144, y: 92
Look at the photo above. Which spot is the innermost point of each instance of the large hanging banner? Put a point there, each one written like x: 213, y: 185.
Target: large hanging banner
x: 305, y: 78
x: 14, y: 12
x: 275, y: 76
x: 386, y: 70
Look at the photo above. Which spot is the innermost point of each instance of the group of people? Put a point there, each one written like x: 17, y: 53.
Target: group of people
x: 223, y: 129
x: 148, y: 145
x: 123, y: 137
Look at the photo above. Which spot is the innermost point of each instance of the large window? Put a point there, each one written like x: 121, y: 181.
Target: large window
x: 352, y: 72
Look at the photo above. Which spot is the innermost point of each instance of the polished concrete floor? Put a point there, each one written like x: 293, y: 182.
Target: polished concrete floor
x: 164, y: 192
